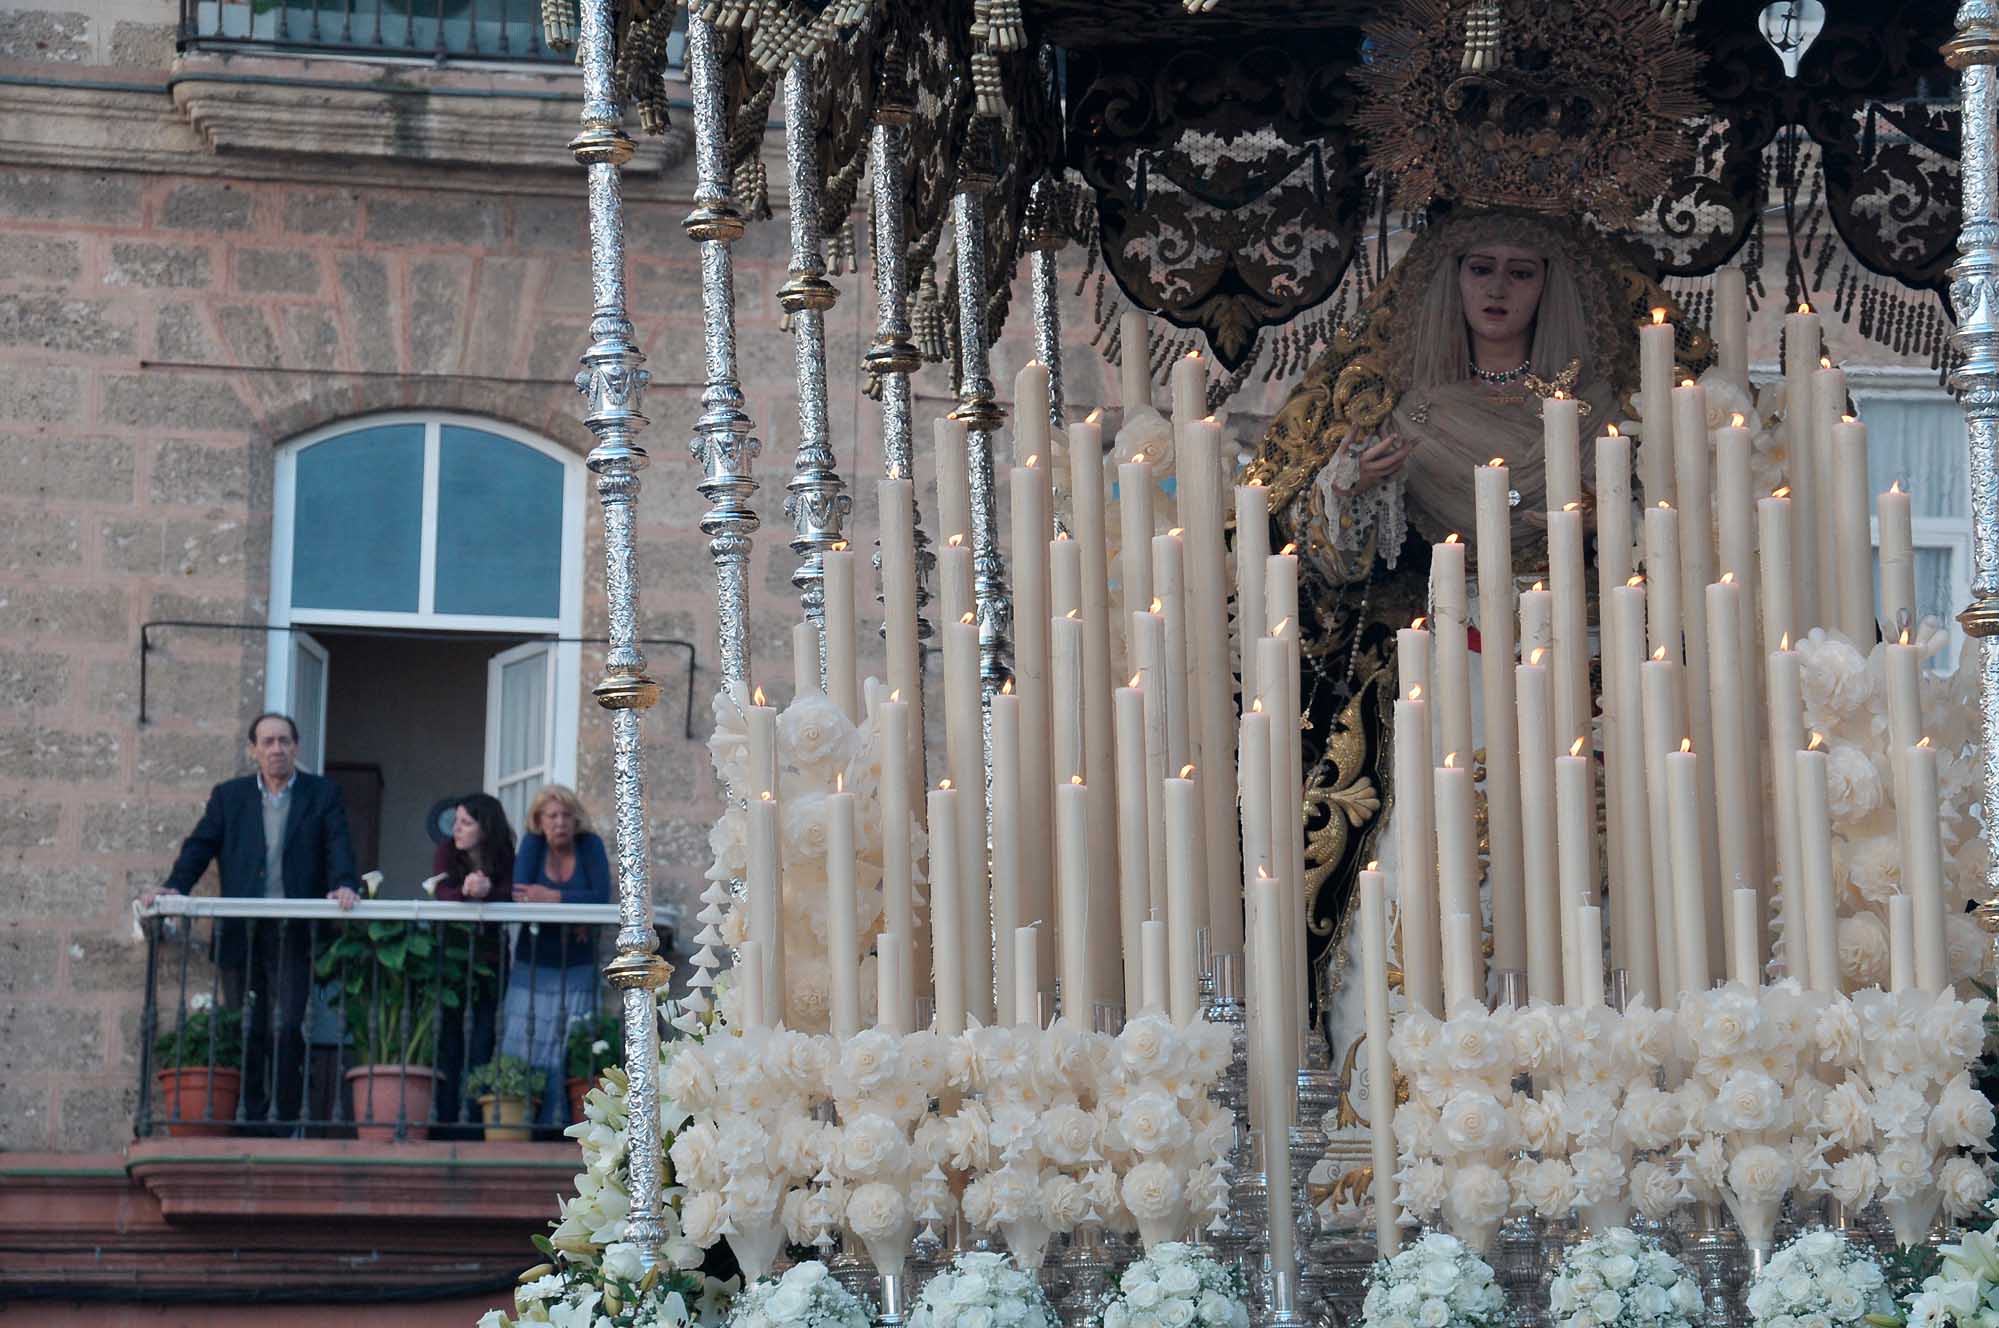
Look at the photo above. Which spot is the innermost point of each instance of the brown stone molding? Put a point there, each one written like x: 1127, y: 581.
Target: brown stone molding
x: 234, y: 1216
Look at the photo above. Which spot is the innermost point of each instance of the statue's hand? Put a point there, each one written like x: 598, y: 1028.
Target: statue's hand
x: 1375, y: 462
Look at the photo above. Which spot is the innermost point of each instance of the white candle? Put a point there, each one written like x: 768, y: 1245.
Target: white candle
x: 1280, y: 588
x: 760, y: 721
x: 1537, y: 833
x: 1154, y: 968
x: 954, y: 581
x: 1905, y: 721
x: 804, y: 659
x: 1135, y: 365
x: 897, y: 503
x: 1773, y: 552
x: 1134, y: 888
x: 1086, y: 483
x: 1148, y: 631
x: 1786, y: 714
x: 750, y: 985
x: 1736, y: 798
x: 1801, y: 357
x: 766, y: 898
x: 1589, y: 953
x: 1278, y: 1085
x: 898, y: 892
x: 1898, y: 561
x: 1655, y: 383
x: 1450, y: 660
x: 1744, y: 953
x: 891, y: 988
x: 1380, y: 1071
x: 1662, y: 581
x: 1923, y: 847
x: 1072, y: 849
x: 1690, y: 903
x: 1457, y: 840
x: 1134, y: 490
x: 1815, y: 860
x: 842, y: 617
x: 1065, y: 694
x: 1694, y: 483
x: 1537, y: 627
x: 1851, y: 546
x: 947, y: 922
x: 1561, y: 445
x: 1613, y: 509
x: 1575, y: 849
x: 1167, y: 587
x: 1416, y: 856
x: 1730, y: 327
x: 1571, y: 657
x: 1028, y: 488
x: 1901, y: 944
x: 1026, y: 980
x: 1030, y: 415
x: 1189, y: 382
x: 1412, y: 660
x: 1186, y: 908
x: 1637, y: 892
x: 1502, y: 778
x: 1007, y: 892
x: 1828, y: 403
x: 965, y: 759
x: 843, y: 946
x: 1065, y: 578
x: 954, y: 491
x: 1464, y: 979
x: 1200, y: 495
x: 1252, y: 546
x: 1253, y: 770
x: 1287, y: 824
x: 1665, y: 726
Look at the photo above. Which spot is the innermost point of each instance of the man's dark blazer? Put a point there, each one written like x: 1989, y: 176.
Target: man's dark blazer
x: 318, y: 856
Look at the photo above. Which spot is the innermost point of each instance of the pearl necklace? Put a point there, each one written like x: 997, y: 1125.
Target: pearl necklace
x: 1500, y: 377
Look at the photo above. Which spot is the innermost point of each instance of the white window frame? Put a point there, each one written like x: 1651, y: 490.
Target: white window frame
x: 495, y: 667
x: 565, y: 627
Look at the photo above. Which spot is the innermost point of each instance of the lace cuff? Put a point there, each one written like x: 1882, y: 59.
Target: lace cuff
x: 1376, y: 515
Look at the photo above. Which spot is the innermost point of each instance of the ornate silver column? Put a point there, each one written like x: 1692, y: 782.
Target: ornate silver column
x: 815, y: 498
x: 721, y: 445
x: 891, y: 357
x: 1974, y: 294
x: 614, y: 382
x: 978, y: 409
x: 1047, y: 243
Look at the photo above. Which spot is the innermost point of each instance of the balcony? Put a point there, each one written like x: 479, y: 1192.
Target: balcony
x: 440, y: 31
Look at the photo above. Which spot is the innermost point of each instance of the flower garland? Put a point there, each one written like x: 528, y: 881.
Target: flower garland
x: 806, y: 1296
x: 982, y: 1290
x: 1433, y: 1282
x: 1818, y: 1278
x: 1178, y: 1284
x: 1623, y: 1280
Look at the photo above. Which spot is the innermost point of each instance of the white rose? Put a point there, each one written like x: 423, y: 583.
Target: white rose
x: 1064, y: 1201
x: 1966, y: 947
x: 1151, y: 1191
x: 1473, y: 1121
x: 1854, y: 1179
x: 1065, y: 1133
x: 1863, y: 950
x: 1655, y: 1190
x: 1845, y: 1116
x: 1547, y: 1187
x: 1837, y: 1033
x: 1472, y: 1042
x: 1965, y: 1186
x: 1747, y: 1101
x: 867, y: 1061
x: 701, y: 1217
x: 1146, y: 1046
x: 1421, y: 1186
x: 876, y: 1211
x: 1534, y: 1035
x: 814, y: 732
x: 1834, y: 677
x: 1900, y: 1110
x: 1651, y: 1118
x: 1760, y: 1174
x: 1873, y: 867
x: 787, y: 1303
x: 1723, y: 1022
x: 1151, y: 1122
x: 623, y: 1261
x: 1478, y: 1195
x: 1962, y: 1117
x: 1853, y: 784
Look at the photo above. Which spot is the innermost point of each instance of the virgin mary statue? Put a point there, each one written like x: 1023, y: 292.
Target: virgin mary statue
x: 1514, y: 287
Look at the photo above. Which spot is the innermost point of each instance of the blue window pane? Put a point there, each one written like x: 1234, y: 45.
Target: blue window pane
x: 357, y: 522
x: 499, y: 527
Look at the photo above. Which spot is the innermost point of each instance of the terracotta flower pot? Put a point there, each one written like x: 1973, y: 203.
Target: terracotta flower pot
x: 383, y: 1092
x: 507, y: 1118
x: 204, y: 1100
x: 578, y: 1088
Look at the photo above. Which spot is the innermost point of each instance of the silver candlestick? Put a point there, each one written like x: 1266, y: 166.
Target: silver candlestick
x: 978, y: 407
x: 613, y: 383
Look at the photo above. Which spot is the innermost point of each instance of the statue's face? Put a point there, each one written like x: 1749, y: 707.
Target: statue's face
x: 1501, y: 285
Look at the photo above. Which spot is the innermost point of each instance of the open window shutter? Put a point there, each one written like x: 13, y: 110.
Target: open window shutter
x: 520, y: 725
x: 307, y: 702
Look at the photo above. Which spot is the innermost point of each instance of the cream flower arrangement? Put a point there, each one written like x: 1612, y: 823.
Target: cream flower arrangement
x: 805, y: 1296
x: 982, y: 1290
x: 1964, y: 1291
x: 1435, y: 1281
x: 1178, y: 1286
x: 1818, y: 1277
x: 1620, y: 1279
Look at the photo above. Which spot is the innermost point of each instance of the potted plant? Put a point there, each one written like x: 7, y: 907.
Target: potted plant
x: 595, y: 1041
x: 199, y: 1075
x: 508, y: 1089
x: 396, y: 980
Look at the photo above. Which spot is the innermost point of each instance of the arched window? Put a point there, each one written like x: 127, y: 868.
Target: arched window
x: 427, y: 572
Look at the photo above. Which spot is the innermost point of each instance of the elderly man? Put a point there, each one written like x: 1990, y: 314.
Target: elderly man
x: 281, y: 834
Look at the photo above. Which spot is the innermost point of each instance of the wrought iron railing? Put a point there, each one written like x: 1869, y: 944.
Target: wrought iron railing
x: 291, y: 1018
x: 439, y: 30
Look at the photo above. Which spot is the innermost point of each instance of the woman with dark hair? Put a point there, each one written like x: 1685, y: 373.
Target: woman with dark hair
x: 477, y: 864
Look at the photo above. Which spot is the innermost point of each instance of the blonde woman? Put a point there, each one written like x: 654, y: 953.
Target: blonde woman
x: 554, y: 980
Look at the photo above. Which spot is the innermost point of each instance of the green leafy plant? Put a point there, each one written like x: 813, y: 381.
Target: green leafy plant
x: 397, y: 979
x: 505, y: 1076
x: 203, y: 1038
x: 595, y: 1041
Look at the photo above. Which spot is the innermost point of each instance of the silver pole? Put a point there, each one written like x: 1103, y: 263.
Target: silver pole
x: 981, y: 414
x: 721, y: 445
x: 816, y: 498
x: 1974, y: 290
x: 613, y: 381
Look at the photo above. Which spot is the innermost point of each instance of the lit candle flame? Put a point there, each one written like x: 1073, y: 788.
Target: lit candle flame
x: 1896, y: 487
x: 765, y: 796
x: 1905, y: 636
x: 1073, y: 615
x: 1186, y: 772
x: 1925, y: 742
x: 840, y: 546
x: 1659, y: 655
x: 895, y: 472
x: 1157, y: 604
x: 1450, y: 760
x: 1006, y: 688
x: 1576, y: 747
x: 1612, y: 431
x: 1818, y: 741
x: 967, y: 619
x: 1256, y: 705
x: 1781, y: 491
x: 839, y: 781
x: 1784, y: 641
x: 1416, y: 624
x: 1534, y: 655
x: 1735, y: 420
x: 1728, y: 578
x: 1452, y: 538
x: 1572, y: 507
x: 1665, y: 506
x: 1075, y: 779
x: 1804, y: 308
x: 1033, y: 460
x: 757, y: 697
x: 1209, y: 419
x: 1560, y: 395
x: 1138, y: 457
x: 1825, y: 362
x: 1134, y: 681
x: 1193, y: 354
x: 1686, y: 744
x: 944, y: 784
x: 1540, y: 587
x: 1416, y: 691
x: 1262, y: 874
x: 956, y: 542
x: 1282, y: 623
x: 1177, y: 531
x: 1846, y: 419
x: 895, y: 695
x: 1094, y: 417
x: 1287, y: 550
x: 1497, y: 463
x: 1658, y: 317
x: 1374, y: 864
x: 1686, y: 382
x: 1062, y: 536
x: 1636, y: 579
